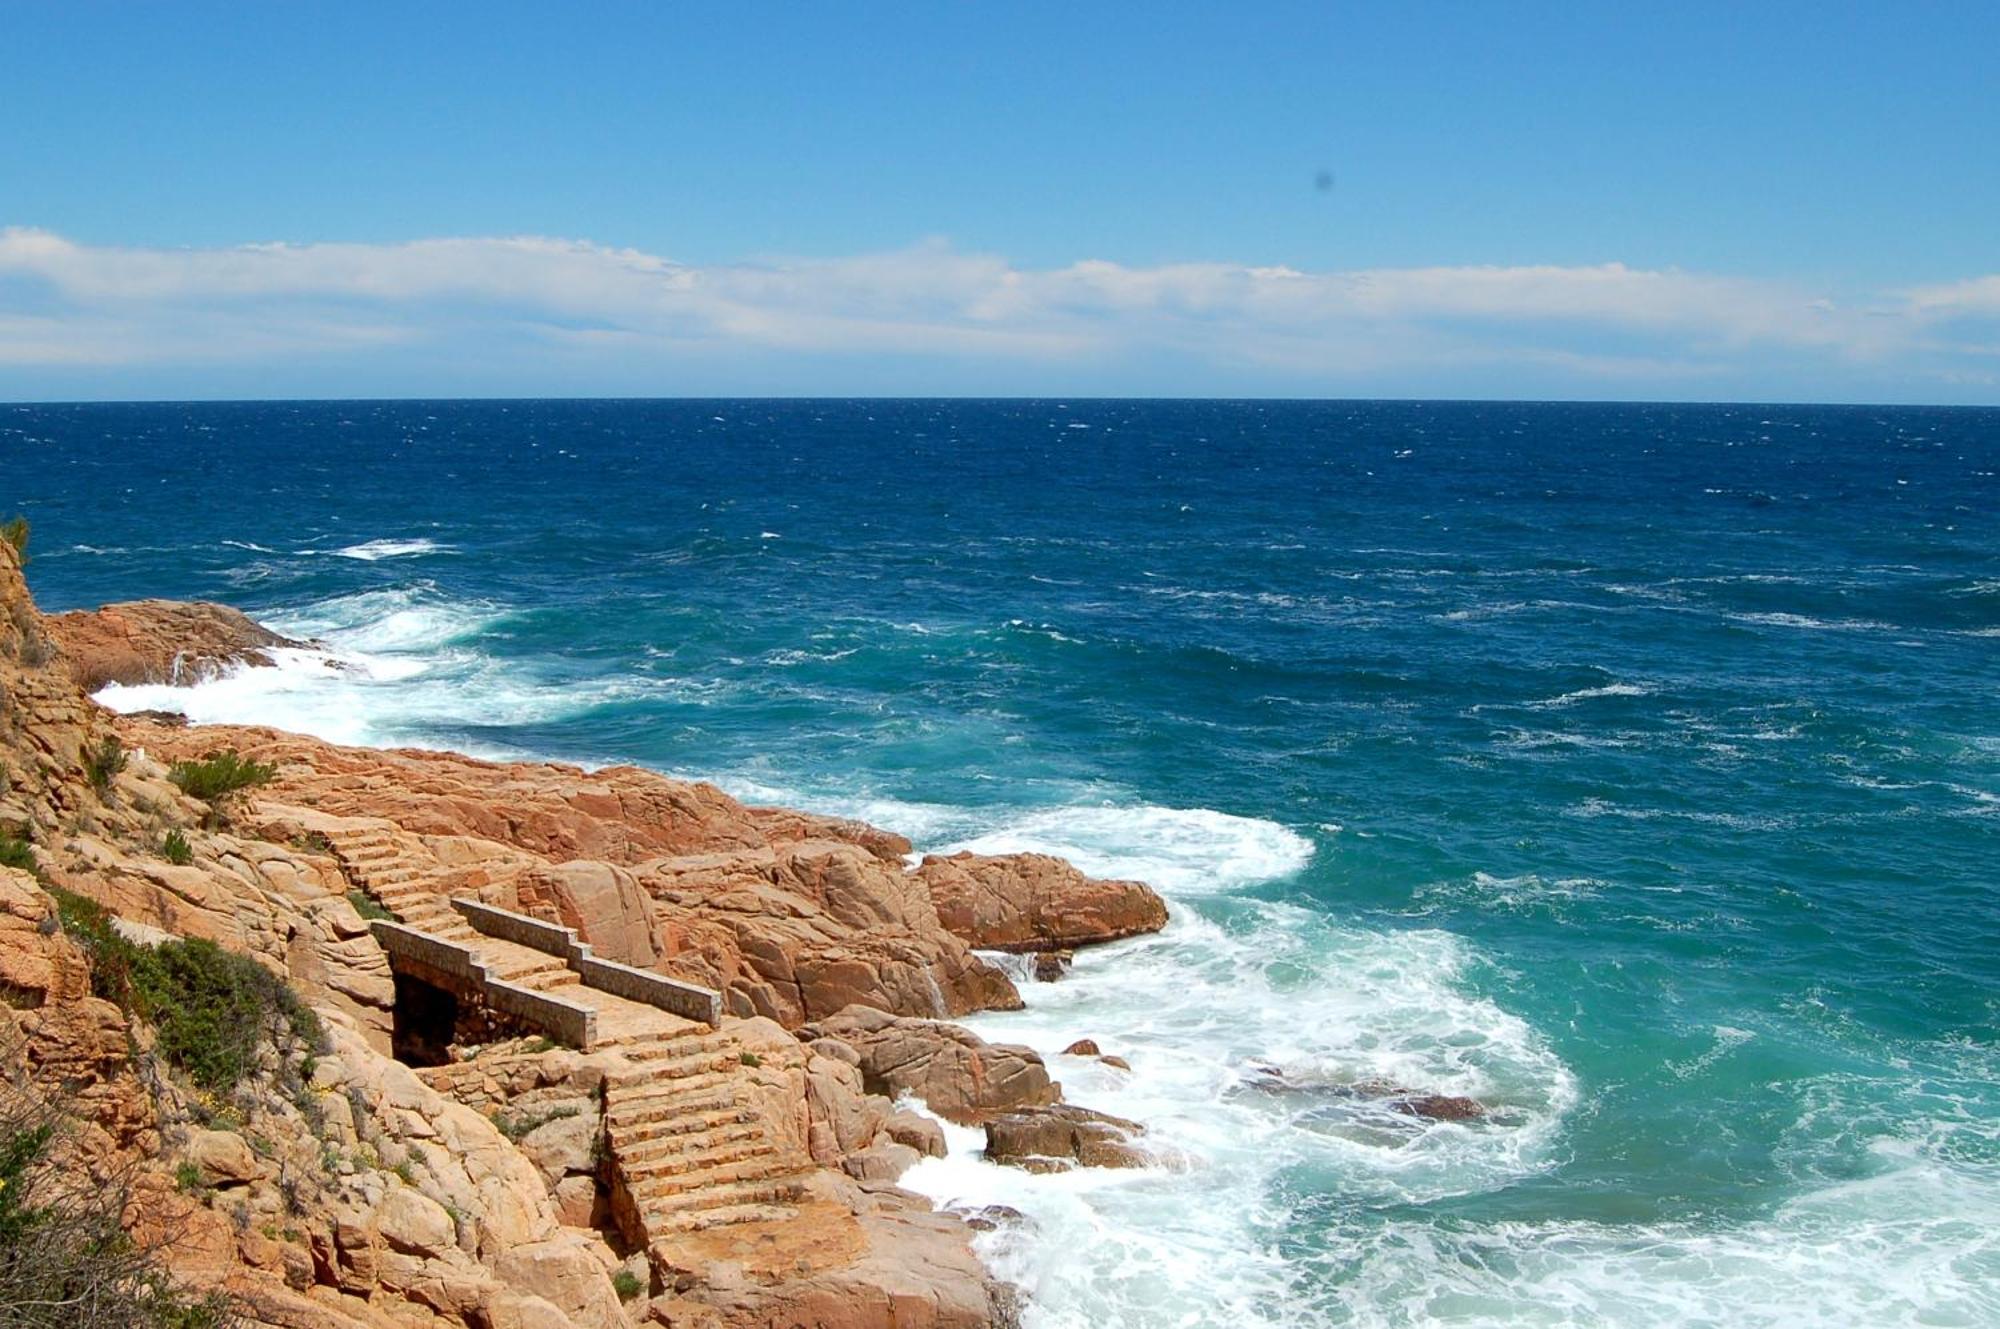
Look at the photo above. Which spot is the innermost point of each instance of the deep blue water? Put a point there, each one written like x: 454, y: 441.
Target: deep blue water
x: 1635, y: 769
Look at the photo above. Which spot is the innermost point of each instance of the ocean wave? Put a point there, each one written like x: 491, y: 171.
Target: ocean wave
x: 1590, y: 694
x: 373, y: 550
x: 1194, y: 1009
x: 392, y: 667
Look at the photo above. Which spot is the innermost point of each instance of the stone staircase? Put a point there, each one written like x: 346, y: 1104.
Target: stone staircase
x: 399, y: 875
x: 692, y: 1156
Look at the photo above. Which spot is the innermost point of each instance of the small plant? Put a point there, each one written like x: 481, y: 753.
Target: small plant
x: 219, y: 774
x: 187, y: 1177
x: 103, y: 761
x: 176, y: 849
x: 15, y: 853
x: 519, y: 1128
x: 15, y: 532
x: 626, y: 1284
x: 370, y: 909
x: 751, y: 1059
x: 405, y: 1173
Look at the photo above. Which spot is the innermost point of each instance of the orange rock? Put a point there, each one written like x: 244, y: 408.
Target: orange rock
x: 160, y: 641
x: 1033, y: 902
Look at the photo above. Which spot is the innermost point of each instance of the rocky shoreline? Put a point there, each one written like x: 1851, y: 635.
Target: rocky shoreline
x: 474, y: 1173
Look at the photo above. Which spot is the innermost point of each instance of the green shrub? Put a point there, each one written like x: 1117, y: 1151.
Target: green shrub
x: 211, y: 1009
x: 626, y: 1284
x: 103, y: 762
x: 176, y: 849
x: 218, y: 775
x: 518, y: 1128
x: 65, y: 1259
x: 751, y: 1059
x: 370, y: 909
x: 15, y: 532
x: 15, y: 853
x: 187, y: 1177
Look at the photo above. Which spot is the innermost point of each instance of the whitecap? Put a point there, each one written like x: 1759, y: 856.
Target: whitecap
x: 374, y: 550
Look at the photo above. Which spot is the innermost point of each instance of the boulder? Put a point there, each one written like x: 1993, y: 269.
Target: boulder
x: 161, y: 641
x: 1033, y: 902
x: 1061, y: 1136
x: 956, y: 1073
x: 223, y: 1158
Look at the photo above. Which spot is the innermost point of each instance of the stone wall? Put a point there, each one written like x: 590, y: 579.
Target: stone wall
x: 687, y: 1000
x: 458, y: 970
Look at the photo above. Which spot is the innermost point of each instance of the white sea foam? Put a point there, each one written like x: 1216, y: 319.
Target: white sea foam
x: 390, y: 667
x: 1591, y: 694
x: 374, y: 550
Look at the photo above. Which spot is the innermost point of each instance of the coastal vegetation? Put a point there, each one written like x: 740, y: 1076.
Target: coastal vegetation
x: 213, y: 1011
x: 218, y: 775
x: 15, y: 532
x: 103, y: 761
x: 65, y: 1257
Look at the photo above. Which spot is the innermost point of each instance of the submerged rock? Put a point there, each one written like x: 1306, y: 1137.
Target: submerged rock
x: 1052, y: 965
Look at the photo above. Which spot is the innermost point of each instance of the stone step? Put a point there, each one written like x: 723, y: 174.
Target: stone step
x: 653, y: 1183
x: 680, y: 1068
x: 728, y: 1215
x: 551, y: 980
x: 369, y: 853
x: 671, y: 1048
x: 671, y: 1096
x: 690, y: 1142
x: 654, y: 1126
x: 657, y: 1158
x: 778, y: 1187
x: 671, y: 1087
x: 686, y: 1123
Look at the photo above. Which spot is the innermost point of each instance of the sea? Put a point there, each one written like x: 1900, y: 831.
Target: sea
x: 1631, y: 769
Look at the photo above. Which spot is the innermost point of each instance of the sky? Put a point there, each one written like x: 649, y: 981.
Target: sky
x: 1777, y: 201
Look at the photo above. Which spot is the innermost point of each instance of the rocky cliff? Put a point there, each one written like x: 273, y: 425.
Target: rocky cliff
x: 472, y: 1172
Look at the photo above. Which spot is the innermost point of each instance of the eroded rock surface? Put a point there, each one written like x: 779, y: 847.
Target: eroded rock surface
x: 161, y: 641
x: 1057, y: 1137
x: 1033, y: 902
x: 959, y: 1075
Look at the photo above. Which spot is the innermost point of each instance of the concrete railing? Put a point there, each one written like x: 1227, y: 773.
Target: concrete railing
x: 690, y: 1001
x: 687, y: 1000
x: 564, y: 1021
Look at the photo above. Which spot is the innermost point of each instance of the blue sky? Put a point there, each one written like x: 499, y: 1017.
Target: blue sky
x: 1696, y: 201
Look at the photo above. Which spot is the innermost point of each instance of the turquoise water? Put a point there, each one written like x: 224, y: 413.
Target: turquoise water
x: 1633, y: 769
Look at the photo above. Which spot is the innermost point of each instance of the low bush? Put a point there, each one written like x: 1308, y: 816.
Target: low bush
x: 176, y: 849
x: 15, y: 853
x: 211, y: 1009
x: 15, y: 532
x: 219, y: 774
x: 65, y: 1260
x: 370, y: 908
x: 103, y: 761
x: 626, y: 1284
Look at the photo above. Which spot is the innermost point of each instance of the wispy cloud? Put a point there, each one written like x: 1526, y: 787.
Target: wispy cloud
x: 266, y: 306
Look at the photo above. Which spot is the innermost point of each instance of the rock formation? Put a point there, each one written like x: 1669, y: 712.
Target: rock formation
x: 160, y: 641
x: 672, y: 1173
x: 1033, y: 902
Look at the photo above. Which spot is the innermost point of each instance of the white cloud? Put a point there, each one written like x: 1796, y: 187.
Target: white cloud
x: 63, y: 303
